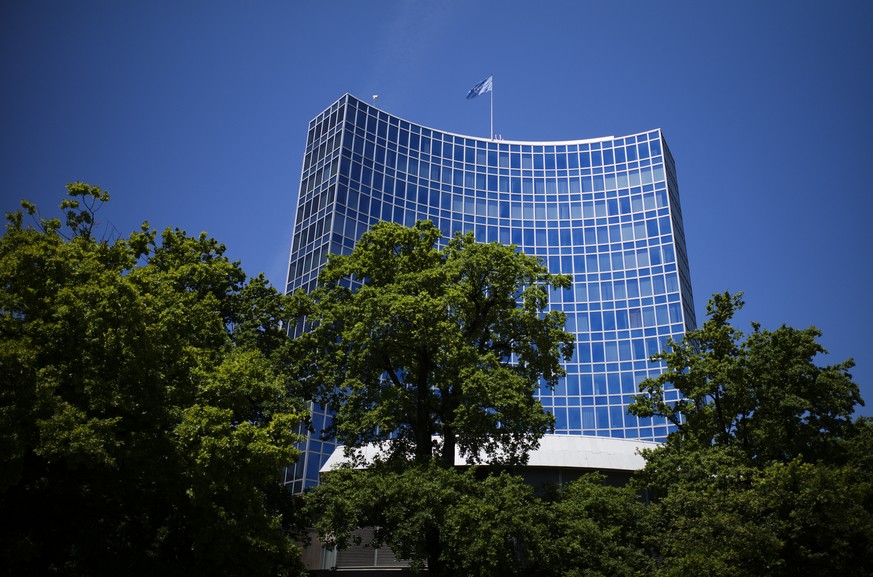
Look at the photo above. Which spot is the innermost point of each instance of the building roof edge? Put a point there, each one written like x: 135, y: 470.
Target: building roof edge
x: 500, y: 141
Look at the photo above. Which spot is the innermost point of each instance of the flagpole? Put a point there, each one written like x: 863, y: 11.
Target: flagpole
x: 492, y: 107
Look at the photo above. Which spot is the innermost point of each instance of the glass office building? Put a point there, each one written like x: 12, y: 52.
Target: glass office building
x: 603, y: 210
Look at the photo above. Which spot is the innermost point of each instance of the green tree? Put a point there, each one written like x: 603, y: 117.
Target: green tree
x: 592, y: 529
x: 716, y: 514
x: 145, y: 409
x: 490, y: 523
x: 426, y: 350
x: 488, y: 526
x: 707, y: 519
x: 410, y: 341
x: 765, y: 474
x: 763, y: 394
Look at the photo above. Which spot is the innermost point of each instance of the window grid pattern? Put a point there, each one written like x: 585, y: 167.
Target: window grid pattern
x: 604, y: 211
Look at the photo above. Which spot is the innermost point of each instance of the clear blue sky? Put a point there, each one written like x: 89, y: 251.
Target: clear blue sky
x: 194, y: 114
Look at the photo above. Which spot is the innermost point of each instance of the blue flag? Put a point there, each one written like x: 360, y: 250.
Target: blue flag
x: 481, y: 88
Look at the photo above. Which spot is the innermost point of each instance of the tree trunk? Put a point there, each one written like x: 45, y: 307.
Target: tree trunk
x: 422, y: 417
x: 450, y: 441
x: 434, y: 552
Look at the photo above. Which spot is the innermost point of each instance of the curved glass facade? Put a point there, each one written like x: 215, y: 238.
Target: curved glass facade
x: 605, y: 211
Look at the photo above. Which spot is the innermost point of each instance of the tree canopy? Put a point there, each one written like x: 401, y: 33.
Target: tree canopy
x: 478, y: 525
x: 426, y: 349
x: 766, y: 472
x: 433, y: 348
x: 490, y: 523
x: 145, y: 406
x: 762, y: 394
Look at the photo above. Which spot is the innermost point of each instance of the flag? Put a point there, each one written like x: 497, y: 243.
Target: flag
x: 481, y: 88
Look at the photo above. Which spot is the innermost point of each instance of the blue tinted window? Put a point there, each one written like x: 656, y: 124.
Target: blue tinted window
x: 596, y: 321
x: 636, y: 318
x: 624, y: 353
x: 602, y: 417
x: 675, y: 312
x: 616, y: 413
x: 594, y: 292
x: 619, y: 155
x: 588, y: 418
x: 639, y: 349
x: 643, y: 149
x: 583, y: 351
x: 600, y: 384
